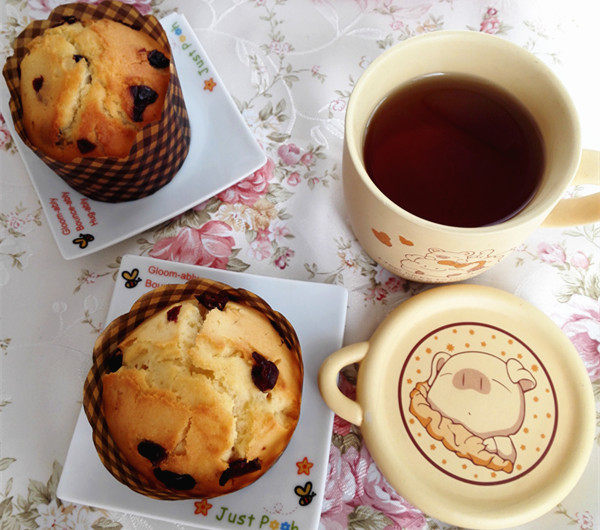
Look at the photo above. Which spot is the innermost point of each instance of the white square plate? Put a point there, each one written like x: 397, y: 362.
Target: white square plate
x: 222, y: 152
x: 318, y: 313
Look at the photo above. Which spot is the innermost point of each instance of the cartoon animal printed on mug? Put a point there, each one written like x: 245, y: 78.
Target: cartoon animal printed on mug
x: 447, y: 264
x: 480, y: 393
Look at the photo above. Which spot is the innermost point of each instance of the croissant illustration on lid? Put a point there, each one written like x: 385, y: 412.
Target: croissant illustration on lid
x: 464, y: 388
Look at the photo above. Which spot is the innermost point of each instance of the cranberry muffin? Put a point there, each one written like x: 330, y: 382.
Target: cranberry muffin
x: 206, y: 398
x: 88, y: 87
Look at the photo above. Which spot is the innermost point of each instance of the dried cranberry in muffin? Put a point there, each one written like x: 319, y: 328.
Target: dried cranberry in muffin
x: 142, y: 97
x: 175, y: 481
x: 264, y: 373
x: 158, y: 59
x: 115, y: 362
x: 152, y: 451
x: 212, y: 300
x: 37, y: 83
x: 85, y: 146
x: 238, y: 468
x: 173, y: 313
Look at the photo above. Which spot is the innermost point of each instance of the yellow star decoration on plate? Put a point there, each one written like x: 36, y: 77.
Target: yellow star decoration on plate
x: 202, y: 507
x: 304, y: 466
x: 209, y: 84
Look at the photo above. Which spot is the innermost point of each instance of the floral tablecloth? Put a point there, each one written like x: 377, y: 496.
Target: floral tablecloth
x: 291, y: 66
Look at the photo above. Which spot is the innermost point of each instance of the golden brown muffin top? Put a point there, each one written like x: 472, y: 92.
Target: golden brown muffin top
x: 204, y: 398
x: 88, y: 87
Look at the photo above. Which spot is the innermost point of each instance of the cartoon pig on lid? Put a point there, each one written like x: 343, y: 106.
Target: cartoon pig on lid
x: 484, y: 394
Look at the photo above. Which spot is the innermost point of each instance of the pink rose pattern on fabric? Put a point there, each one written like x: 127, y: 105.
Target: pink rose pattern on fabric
x: 211, y: 245
x: 551, y: 253
x: 307, y: 159
x: 376, y: 293
x: 280, y: 48
x: 277, y: 231
x: 260, y: 248
x: 580, y: 294
x: 354, y: 480
x: 43, y: 7
x: 143, y: 6
x: 337, y: 105
x: 386, y: 283
x: 580, y: 260
x: 17, y: 221
x: 249, y: 190
x: 585, y: 520
x: 5, y: 138
x: 241, y: 224
x: 283, y: 261
x: 490, y: 23
x: 293, y: 179
x: 341, y: 426
x: 583, y: 328
x: 289, y: 154
x: 297, y: 164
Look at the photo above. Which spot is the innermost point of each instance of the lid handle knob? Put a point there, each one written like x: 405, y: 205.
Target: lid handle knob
x: 343, y: 406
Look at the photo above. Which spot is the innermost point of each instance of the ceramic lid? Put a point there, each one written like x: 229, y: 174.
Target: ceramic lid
x: 475, y: 406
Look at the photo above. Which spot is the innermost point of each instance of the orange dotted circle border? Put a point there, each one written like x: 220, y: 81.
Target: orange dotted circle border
x: 434, y: 464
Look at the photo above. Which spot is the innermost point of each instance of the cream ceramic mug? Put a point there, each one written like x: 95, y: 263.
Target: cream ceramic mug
x: 424, y: 251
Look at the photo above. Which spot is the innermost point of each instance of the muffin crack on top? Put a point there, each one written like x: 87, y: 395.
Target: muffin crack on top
x: 66, y: 131
x: 88, y: 87
x: 217, y: 390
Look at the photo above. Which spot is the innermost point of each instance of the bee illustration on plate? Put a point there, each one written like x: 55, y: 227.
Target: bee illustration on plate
x: 131, y: 278
x: 83, y: 240
x: 305, y: 493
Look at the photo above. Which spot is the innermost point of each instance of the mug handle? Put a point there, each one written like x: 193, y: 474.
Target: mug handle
x: 343, y: 406
x: 580, y: 210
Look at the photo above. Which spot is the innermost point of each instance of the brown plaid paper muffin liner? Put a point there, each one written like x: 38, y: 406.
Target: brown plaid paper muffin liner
x: 106, y: 351
x: 159, y: 149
